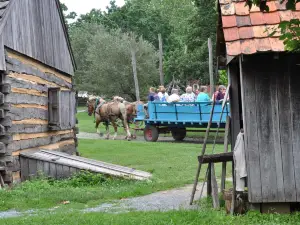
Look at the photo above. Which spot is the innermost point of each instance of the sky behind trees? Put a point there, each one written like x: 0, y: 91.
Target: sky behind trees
x: 82, y: 7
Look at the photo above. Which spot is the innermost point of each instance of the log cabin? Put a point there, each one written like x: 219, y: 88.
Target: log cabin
x: 37, y: 97
x: 264, y: 99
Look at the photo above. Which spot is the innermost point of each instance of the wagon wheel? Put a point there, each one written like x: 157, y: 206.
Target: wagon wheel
x: 179, y: 133
x: 151, y: 133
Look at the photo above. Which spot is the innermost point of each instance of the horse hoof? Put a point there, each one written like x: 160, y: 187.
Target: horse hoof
x: 128, y: 139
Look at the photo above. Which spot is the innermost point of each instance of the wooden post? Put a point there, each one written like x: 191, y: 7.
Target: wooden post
x: 1, y: 181
x: 161, y: 73
x: 223, y: 178
x: 211, y: 72
x: 214, y: 185
x: 233, y: 190
x: 136, y: 82
x: 202, y: 153
x: 209, y: 187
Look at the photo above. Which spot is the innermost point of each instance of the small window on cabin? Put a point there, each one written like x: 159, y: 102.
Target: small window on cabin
x: 53, y: 108
x: 61, y: 109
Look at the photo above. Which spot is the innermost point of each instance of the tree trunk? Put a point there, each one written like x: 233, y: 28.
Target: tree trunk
x: 161, y: 73
x: 211, y: 72
x: 136, y: 82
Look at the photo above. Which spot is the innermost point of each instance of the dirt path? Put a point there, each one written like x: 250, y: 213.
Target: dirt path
x: 174, y: 199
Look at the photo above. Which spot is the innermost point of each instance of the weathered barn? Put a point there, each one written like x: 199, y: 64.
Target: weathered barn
x: 264, y: 97
x: 37, y: 100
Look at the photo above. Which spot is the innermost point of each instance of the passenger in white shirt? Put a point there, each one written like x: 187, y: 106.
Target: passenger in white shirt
x: 162, y: 94
x: 189, y: 96
x: 174, y: 97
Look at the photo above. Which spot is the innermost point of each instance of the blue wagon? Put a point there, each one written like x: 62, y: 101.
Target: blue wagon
x: 176, y: 117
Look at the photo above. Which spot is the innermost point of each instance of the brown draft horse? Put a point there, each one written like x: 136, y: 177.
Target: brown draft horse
x: 109, y: 112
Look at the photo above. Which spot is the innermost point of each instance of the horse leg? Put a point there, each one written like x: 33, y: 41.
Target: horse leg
x: 97, y: 127
x: 126, y: 128
x: 107, y: 130
x: 115, y: 128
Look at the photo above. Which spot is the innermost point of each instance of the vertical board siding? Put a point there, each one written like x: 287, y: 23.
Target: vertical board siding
x: 295, y: 107
x: 265, y: 141
x: 276, y: 137
x: 285, y: 130
x: 251, y: 145
x: 272, y: 97
x: 34, y: 28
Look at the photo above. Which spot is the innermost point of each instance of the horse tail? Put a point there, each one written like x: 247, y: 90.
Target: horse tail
x: 123, y: 110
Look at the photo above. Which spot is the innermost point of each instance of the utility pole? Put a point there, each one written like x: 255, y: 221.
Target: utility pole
x: 133, y: 59
x: 161, y: 73
x: 211, y: 72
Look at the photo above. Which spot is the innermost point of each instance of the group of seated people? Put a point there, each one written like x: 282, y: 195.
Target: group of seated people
x: 160, y: 95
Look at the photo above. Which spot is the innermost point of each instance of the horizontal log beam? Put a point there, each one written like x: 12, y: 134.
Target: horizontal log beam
x: 216, y: 158
x: 29, y: 92
x: 37, y: 80
x: 19, y: 83
x: 13, y: 58
x: 35, y: 106
x: 27, y: 128
x: 30, y: 121
x: 17, y: 137
x: 16, y: 98
x: 27, y: 113
x: 34, y: 143
x: 52, y: 147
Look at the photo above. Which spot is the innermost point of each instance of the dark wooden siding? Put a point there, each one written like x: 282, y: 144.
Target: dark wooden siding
x: 34, y: 28
x: 272, y: 127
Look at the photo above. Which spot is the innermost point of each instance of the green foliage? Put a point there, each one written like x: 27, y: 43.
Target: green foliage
x: 223, y: 78
x: 104, y: 61
x: 191, y: 60
x: 290, y: 30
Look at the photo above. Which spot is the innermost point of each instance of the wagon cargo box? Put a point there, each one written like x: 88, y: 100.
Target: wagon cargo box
x: 60, y: 165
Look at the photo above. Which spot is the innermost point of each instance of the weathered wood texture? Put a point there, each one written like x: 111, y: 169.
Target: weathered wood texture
x: 35, y: 28
x: 272, y: 127
x: 235, y: 102
x: 61, y: 164
x: 24, y: 112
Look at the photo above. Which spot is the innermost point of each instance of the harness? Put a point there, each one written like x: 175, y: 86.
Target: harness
x: 96, y: 105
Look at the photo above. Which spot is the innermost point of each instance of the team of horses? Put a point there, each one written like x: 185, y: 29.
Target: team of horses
x: 109, y: 112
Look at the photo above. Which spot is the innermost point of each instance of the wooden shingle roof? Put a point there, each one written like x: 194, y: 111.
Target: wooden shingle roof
x: 247, y: 31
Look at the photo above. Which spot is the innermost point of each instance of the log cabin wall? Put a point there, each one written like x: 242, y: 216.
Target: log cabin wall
x: 26, y: 112
x: 36, y: 28
x: 271, y: 85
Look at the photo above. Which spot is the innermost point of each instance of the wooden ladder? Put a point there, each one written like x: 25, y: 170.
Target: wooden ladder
x: 210, y: 178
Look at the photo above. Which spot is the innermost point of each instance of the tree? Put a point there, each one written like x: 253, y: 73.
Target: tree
x: 71, y: 15
x: 104, y: 61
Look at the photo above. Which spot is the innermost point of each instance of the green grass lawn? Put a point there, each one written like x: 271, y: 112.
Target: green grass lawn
x: 172, y: 165
x: 203, y: 216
